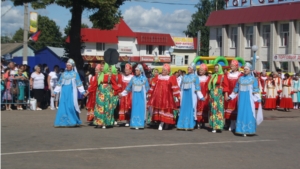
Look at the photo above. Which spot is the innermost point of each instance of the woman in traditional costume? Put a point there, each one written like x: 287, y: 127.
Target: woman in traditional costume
x: 190, y: 93
x: 278, y: 84
x: 106, y: 100
x: 231, y: 105
x: 296, y: 92
x: 218, y: 87
x: 139, y: 87
x: 203, y: 106
x: 247, y: 91
x: 91, y: 93
x: 271, y: 93
x: 286, y: 101
x: 162, y: 92
x: 125, y: 102
x: 68, y: 113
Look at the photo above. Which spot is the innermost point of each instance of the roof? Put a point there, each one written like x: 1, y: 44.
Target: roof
x: 9, y: 48
x: 267, y: 13
x: 106, y: 36
x: 59, y: 52
x: 154, y: 39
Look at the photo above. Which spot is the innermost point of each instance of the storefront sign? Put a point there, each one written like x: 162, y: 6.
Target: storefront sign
x: 241, y: 3
x: 166, y: 59
x: 125, y: 49
x: 183, y: 43
x: 147, y: 59
x: 286, y: 58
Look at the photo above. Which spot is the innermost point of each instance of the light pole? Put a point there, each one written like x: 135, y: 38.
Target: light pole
x: 254, y: 49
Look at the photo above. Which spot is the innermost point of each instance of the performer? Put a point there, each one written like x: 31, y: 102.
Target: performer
x: 162, y: 92
x: 139, y: 87
x: 286, y: 101
x: 271, y: 93
x: 67, y: 114
x: 203, y: 106
x: 248, y: 92
x: 105, y: 99
x: 125, y: 102
x: 231, y: 105
x: 91, y: 93
x: 278, y: 83
x: 218, y: 87
x: 296, y: 92
x: 190, y: 90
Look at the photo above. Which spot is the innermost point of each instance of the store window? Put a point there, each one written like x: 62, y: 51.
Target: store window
x: 266, y: 35
x: 249, y: 36
x: 233, y: 37
x: 284, y: 35
x: 266, y: 65
x: 161, y: 50
x: 149, y: 49
x: 100, y: 46
x: 284, y: 66
x: 186, y: 59
x: 219, y: 37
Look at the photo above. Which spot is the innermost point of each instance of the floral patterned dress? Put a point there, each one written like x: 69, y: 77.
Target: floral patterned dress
x: 106, y: 102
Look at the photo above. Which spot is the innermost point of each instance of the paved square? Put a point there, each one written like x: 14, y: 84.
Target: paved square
x: 29, y: 141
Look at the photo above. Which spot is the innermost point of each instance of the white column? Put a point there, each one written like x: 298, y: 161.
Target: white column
x: 256, y: 41
x: 273, y: 45
x: 240, y: 41
x: 292, y: 44
x: 225, y: 41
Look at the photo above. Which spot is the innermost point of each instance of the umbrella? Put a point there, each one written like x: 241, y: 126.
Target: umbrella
x: 111, y: 56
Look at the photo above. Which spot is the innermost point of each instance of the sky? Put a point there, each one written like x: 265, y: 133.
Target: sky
x: 140, y: 16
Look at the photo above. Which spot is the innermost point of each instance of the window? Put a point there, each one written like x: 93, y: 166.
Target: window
x: 100, y: 46
x: 249, y: 36
x: 284, y: 65
x: 219, y: 37
x: 186, y: 59
x: 173, y: 59
x: 149, y: 49
x: 284, y: 34
x: 161, y: 50
x: 266, y: 35
x: 233, y: 37
x: 266, y: 65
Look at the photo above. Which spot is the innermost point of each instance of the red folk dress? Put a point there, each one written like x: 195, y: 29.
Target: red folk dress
x: 278, y: 85
x: 271, y: 94
x: 162, y: 92
x: 286, y: 99
x: 203, y: 106
x: 90, y: 105
x: 231, y: 105
x: 125, y: 102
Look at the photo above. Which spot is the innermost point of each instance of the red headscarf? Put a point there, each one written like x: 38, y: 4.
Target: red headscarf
x: 235, y: 63
x: 204, y: 67
x: 167, y: 67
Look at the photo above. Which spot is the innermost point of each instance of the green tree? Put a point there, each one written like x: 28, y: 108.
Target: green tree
x: 50, y: 34
x: 204, y: 8
x: 67, y: 32
x: 18, y: 36
x: 104, y: 14
x: 5, y: 39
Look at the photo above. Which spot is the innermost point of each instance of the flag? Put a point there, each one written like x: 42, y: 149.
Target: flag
x: 35, y: 36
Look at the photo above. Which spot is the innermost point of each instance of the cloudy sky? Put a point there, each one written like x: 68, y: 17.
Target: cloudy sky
x: 140, y: 16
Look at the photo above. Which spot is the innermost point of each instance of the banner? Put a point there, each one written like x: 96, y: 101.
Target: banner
x: 33, y: 22
x: 183, y: 43
x: 286, y: 58
x: 125, y: 49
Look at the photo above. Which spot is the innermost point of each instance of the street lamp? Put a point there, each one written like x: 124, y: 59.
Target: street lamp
x: 254, y: 49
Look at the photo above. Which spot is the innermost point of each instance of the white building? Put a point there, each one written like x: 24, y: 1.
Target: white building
x: 185, y: 51
x: 132, y: 46
x: 274, y: 29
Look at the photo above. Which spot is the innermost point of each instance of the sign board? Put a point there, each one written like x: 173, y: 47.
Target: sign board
x: 249, y: 3
x: 125, y: 49
x: 286, y: 58
x: 178, y: 60
x: 183, y: 43
x: 166, y: 59
x: 147, y: 59
x: 33, y: 22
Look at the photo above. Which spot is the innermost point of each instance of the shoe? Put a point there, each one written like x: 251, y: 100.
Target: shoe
x: 198, y: 126
x: 136, y: 128
x: 52, y: 109
x: 213, y: 131
x: 245, y: 135
x: 161, y: 126
x: 229, y: 129
x: 116, y: 123
x: 126, y: 125
x: 103, y: 127
x: 38, y: 108
x: 56, y: 108
x: 20, y: 108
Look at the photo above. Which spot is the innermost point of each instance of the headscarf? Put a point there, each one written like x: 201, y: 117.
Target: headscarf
x: 72, y: 63
x: 140, y: 67
x: 105, y: 70
x: 128, y: 66
x: 98, y: 66
x: 248, y: 65
x: 192, y: 66
x: 114, y: 70
x: 167, y: 67
x: 214, y: 78
x: 235, y: 63
x: 204, y: 66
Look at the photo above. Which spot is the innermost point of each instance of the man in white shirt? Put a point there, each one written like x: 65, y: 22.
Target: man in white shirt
x: 52, y: 81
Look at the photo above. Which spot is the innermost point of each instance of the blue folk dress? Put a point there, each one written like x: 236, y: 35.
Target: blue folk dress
x: 139, y: 87
x: 248, y: 92
x: 68, y: 112
x: 189, y: 86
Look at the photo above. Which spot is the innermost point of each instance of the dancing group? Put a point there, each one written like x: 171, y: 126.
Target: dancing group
x: 220, y: 100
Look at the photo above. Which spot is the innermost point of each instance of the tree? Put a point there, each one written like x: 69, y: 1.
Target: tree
x: 104, y: 15
x: 5, y: 39
x: 50, y: 34
x: 205, y: 7
x: 67, y: 32
x: 18, y: 36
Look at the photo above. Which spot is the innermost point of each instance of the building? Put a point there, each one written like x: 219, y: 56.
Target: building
x: 132, y: 46
x: 12, y: 50
x: 274, y: 29
x: 185, y: 51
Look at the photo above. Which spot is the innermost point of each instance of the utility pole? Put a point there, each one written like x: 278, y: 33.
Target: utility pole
x: 198, y: 43
x: 25, y: 35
